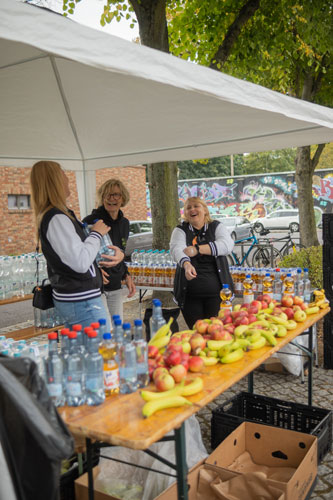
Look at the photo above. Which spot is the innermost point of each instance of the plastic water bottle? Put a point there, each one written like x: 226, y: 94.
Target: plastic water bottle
x: 80, y: 340
x: 141, y: 349
x: 288, y: 285
x: 277, y: 285
x: 53, y: 372
x: 108, y: 351
x: 225, y: 296
x: 248, y: 295
x: 86, y: 330
x: 127, y: 335
x: 94, y: 371
x: 127, y: 364
x: 75, y: 381
x: 118, y: 332
x: 299, y: 284
x: 104, y: 249
x: 306, y: 285
x: 101, y: 329
x: 268, y: 285
x: 114, y: 317
x: 156, y: 320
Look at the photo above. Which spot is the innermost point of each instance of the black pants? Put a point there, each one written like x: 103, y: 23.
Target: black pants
x: 200, y: 308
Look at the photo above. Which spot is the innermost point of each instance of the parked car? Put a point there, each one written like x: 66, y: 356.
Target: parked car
x: 239, y: 227
x: 140, y: 236
x: 279, y: 219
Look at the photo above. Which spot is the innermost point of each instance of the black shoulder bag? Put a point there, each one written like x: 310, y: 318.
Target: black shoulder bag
x: 42, y: 298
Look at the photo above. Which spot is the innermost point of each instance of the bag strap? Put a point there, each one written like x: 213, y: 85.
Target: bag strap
x: 37, y: 261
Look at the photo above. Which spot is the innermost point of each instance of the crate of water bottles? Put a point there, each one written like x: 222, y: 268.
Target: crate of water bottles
x: 91, y: 364
x: 152, y: 268
x: 252, y: 281
x: 18, y: 274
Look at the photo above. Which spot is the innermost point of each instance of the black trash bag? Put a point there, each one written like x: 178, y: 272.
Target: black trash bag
x: 34, y: 438
x: 167, y: 314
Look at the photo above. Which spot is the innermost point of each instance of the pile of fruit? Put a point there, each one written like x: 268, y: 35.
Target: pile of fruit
x: 222, y: 339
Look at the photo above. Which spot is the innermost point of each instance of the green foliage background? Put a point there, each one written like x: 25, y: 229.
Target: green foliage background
x: 312, y: 258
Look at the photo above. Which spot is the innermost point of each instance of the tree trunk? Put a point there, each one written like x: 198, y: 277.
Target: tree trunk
x: 162, y: 177
x: 304, y: 172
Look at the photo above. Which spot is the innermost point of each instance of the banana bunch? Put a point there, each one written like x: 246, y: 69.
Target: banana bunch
x: 173, y: 398
x: 320, y: 302
x: 162, y: 336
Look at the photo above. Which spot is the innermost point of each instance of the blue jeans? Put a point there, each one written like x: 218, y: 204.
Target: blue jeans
x: 84, y: 312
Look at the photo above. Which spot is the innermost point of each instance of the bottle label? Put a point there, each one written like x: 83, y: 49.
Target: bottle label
x: 111, y: 379
x: 248, y: 298
x: 73, y: 389
x: 238, y: 286
x: 55, y: 390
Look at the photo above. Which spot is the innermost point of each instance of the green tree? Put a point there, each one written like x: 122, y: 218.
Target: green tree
x: 283, y: 45
x: 270, y: 161
x: 213, y: 167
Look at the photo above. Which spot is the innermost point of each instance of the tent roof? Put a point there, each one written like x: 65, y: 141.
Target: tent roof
x: 91, y: 100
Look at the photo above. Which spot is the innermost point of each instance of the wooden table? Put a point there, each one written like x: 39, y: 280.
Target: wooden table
x: 143, y: 289
x: 119, y: 420
x: 12, y: 300
x: 30, y: 332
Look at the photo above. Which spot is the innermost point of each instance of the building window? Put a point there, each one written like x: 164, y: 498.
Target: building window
x: 19, y: 201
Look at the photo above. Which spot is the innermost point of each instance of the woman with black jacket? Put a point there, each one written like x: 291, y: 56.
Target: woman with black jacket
x: 113, y: 195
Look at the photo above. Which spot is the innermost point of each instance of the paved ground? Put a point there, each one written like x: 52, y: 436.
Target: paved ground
x: 282, y: 386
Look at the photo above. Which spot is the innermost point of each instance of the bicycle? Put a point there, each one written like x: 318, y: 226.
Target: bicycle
x: 264, y: 256
x: 289, y: 247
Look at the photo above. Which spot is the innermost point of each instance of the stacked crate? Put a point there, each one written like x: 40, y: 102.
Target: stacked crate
x: 328, y: 286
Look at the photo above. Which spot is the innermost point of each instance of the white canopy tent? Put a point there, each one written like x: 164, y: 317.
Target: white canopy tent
x: 90, y: 100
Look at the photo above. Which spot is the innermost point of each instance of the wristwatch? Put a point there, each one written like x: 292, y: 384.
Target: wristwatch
x: 198, y: 248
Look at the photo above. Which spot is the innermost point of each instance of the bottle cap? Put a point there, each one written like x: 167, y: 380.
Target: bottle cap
x: 72, y: 335
x: 267, y: 274
x: 102, y: 321
x: 299, y: 270
x: 52, y: 336
x: 115, y: 316
x: 117, y: 322
x: 126, y: 326
x: 225, y: 286
x: 64, y: 331
x: 277, y: 269
x: 94, y: 325
x: 157, y: 302
x: 87, y: 329
x: 106, y: 336
x: 289, y: 275
x: 138, y: 322
x: 77, y: 328
x: 92, y: 334
x: 248, y: 276
x: 306, y: 270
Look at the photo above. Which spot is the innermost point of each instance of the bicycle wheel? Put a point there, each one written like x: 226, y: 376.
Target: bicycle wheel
x: 231, y: 260
x: 292, y: 248
x: 262, y: 257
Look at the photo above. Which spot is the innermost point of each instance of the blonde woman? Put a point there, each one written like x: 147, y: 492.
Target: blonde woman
x: 75, y: 278
x: 112, y: 196
x: 200, y: 245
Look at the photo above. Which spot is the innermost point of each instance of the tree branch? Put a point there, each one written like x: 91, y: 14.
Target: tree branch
x: 316, y: 156
x: 224, y: 50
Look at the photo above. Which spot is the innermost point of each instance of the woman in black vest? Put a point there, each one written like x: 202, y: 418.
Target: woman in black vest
x: 200, y: 245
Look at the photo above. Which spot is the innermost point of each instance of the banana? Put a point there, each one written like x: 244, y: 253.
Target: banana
x: 233, y: 356
x: 210, y: 361
x: 243, y: 343
x: 254, y: 337
x: 320, y: 301
x: 151, y: 407
x: 279, y: 320
x: 261, y: 322
x: 319, y: 293
x: 312, y: 310
x: 215, y: 345
x: 274, y: 328
x: 195, y: 386
x: 269, y: 337
x: 325, y: 305
x: 291, y: 324
x: 240, y: 330
x: 211, y: 354
x: 202, y: 354
x: 152, y: 395
x: 161, y: 341
x: 229, y: 348
x: 186, y: 331
x: 161, y: 332
x: 282, y: 331
x: 258, y: 344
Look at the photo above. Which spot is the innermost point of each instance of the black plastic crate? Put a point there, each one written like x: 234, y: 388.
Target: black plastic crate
x: 327, y: 228
x: 328, y: 342
x: 275, y: 412
x: 327, y: 255
x: 328, y: 281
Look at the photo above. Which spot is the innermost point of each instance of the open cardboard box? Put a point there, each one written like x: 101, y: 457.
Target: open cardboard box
x: 272, y: 447
x: 81, y: 488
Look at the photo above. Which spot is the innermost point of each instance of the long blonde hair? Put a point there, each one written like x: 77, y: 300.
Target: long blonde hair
x: 47, y: 189
x: 196, y: 199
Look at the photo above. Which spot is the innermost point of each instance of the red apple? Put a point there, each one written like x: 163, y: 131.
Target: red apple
x: 227, y: 320
x: 197, y: 341
x: 230, y: 328
x: 174, y: 340
x: 245, y: 305
x: 172, y: 358
x: 152, y: 351
x: 201, y: 326
x: 241, y: 321
x: 264, y: 304
x: 185, y: 360
x: 237, y: 307
x: 214, y: 328
x: 175, y: 347
x: 164, y: 382
x: 195, y: 364
x: 185, y: 337
x: 186, y: 347
x: 287, y: 300
x: 159, y: 371
x: 252, y: 318
x: 300, y: 316
x: 253, y: 309
x: 256, y: 303
x: 298, y: 300
x: 304, y: 306
x: 289, y: 312
x: 267, y: 298
x: 178, y: 372
x: 216, y: 321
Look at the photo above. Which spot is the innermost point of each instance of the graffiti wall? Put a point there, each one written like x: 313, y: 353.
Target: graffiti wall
x: 256, y: 196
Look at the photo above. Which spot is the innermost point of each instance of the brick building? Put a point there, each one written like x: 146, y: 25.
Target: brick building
x: 17, y: 231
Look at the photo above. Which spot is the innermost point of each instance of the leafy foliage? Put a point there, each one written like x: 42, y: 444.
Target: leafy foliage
x: 213, y: 167
x: 312, y: 258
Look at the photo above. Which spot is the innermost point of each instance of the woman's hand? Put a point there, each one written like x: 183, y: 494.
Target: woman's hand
x: 100, y: 227
x: 130, y: 285
x: 190, y: 272
x: 191, y: 251
x: 112, y: 260
x: 105, y: 277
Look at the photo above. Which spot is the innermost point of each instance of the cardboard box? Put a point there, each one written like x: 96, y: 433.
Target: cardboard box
x: 81, y: 488
x: 272, y: 447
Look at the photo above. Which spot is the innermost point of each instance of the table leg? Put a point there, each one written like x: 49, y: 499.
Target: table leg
x: 90, y: 470
x: 250, y: 382
x: 310, y: 377
x: 181, y: 463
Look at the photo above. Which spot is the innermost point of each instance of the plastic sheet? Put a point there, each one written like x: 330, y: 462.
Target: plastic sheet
x: 112, y: 474
x: 34, y: 438
x: 292, y: 357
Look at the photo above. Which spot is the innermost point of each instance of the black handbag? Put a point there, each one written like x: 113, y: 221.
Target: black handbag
x: 42, y: 298
x: 179, y: 286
